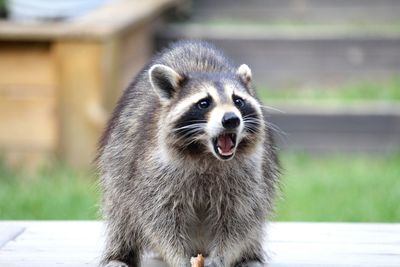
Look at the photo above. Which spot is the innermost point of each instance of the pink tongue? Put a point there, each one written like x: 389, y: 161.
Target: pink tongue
x: 225, y: 143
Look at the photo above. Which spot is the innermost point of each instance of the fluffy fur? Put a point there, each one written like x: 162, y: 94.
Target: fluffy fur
x: 165, y: 187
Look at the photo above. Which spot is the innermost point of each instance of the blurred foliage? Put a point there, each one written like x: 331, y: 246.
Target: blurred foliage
x: 51, y: 193
x: 314, y: 188
x: 2, y: 8
x: 353, y: 188
x: 388, y: 90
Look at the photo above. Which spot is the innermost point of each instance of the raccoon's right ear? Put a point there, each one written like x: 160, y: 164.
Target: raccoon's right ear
x: 164, y: 80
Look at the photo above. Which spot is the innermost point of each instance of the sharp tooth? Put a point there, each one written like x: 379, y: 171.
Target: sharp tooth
x: 224, y: 154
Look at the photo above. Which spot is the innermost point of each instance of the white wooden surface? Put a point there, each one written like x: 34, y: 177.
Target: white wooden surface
x: 78, y: 244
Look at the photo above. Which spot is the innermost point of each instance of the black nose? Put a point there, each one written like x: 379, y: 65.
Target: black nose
x: 230, y: 121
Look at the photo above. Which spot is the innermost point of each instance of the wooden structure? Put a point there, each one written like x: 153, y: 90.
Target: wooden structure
x: 360, y: 127
x: 59, y: 80
x: 296, y: 43
x: 302, y: 56
x: 298, y: 11
x: 78, y: 244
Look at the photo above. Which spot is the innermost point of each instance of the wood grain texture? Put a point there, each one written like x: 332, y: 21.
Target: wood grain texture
x: 8, y: 232
x: 28, y: 122
x: 92, y: 76
x: 304, y: 57
x: 357, y: 128
x: 125, y: 55
x: 59, y: 81
x: 82, y: 79
x: 78, y: 244
x: 26, y: 63
x: 102, y: 23
x: 311, y: 11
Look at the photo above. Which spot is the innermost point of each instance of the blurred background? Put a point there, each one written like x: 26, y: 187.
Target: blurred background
x: 327, y: 72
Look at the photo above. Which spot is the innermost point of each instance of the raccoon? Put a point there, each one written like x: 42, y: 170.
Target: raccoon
x: 187, y: 163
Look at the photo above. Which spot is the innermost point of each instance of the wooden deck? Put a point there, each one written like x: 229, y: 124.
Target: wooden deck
x: 78, y: 244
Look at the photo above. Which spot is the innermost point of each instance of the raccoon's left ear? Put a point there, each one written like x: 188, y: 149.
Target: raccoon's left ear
x: 244, y: 73
x: 164, y: 80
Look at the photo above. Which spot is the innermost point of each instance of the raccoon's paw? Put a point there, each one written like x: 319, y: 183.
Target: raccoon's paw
x: 251, y: 264
x: 214, y: 262
x: 116, y: 264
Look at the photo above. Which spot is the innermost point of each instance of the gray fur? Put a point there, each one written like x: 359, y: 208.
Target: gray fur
x: 180, y: 206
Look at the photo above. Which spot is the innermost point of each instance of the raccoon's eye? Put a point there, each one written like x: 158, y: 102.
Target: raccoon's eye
x: 204, y: 103
x: 239, y: 102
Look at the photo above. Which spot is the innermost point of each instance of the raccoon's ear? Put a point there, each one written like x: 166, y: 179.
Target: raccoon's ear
x: 244, y: 73
x: 164, y: 80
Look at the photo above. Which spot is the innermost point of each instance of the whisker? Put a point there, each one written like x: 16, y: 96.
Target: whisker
x: 275, y: 128
x: 253, y: 120
x: 250, y: 115
x: 272, y: 108
x: 187, y: 141
x: 249, y: 129
x: 256, y: 121
x: 196, y: 125
x: 190, y: 133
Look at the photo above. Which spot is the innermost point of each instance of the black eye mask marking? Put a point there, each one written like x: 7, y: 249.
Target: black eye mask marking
x: 251, y: 118
x: 192, y: 123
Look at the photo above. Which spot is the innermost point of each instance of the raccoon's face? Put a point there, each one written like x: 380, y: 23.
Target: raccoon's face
x: 209, y: 113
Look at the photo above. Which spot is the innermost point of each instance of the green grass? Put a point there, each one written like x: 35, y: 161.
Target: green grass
x: 314, y: 188
x: 52, y: 193
x: 356, y: 188
x: 388, y: 90
x: 2, y: 9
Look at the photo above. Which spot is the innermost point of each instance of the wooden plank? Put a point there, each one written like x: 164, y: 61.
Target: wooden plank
x: 335, y: 123
x: 82, y: 78
x: 28, y: 122
x: 9, y: 231
x: 26, y: 65
x: 137, y: 48
x: 28, y: 112
x: 334, y: 244
x: 287, y: 57
x: 78, y: 244
x: 113, y: 18
x: 92, y: 76
x: 338, y: 143
x: 29, y: 132
x: 334, y: 233
x: 125, y: 56
x: 355, y: 128
x: 316, y: 11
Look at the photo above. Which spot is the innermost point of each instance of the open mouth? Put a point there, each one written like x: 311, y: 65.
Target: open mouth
x: 224, y: 145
